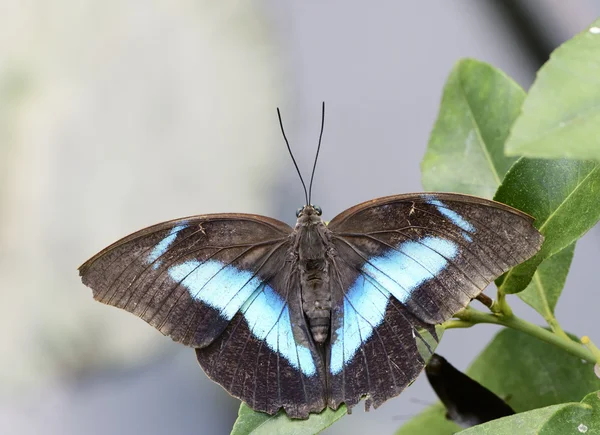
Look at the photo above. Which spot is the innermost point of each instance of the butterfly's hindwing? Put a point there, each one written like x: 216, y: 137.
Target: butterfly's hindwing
x: 266, y: 355
x: 376, y: 342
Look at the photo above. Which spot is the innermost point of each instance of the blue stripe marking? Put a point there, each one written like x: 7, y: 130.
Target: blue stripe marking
x: 268, y: 317
x: 163, y: 245
x: 229, y: 290
x: 225, y: 288
x: 456, y: 219
x: 402, y: 271
x: 364, y: 310
x: 445, y: 248
x: 396, y: 273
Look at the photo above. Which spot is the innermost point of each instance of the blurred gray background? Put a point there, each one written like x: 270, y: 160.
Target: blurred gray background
x: 117, y: 115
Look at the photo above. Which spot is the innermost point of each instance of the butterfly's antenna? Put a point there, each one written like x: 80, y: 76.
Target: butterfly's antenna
x: 312, y: 176
x: 292, y: 155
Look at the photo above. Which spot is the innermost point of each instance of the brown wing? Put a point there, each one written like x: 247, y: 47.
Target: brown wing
x: 446, y: 247
x: 189, y: 277
x: 405, y: 263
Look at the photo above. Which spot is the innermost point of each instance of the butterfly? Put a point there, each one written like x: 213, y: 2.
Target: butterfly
x: 320, y: 314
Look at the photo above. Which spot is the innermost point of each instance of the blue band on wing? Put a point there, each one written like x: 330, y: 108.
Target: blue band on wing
x: 268, y: 318
x: 229, y: 290
x: 399, y: 273
x: 456, y: 219
x: 225, y: 288
x: 163, y: 245
x: 364, y: 310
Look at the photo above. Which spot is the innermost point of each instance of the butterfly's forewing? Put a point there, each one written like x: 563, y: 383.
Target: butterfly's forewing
x: 188, y: 278
x: 411, y: 261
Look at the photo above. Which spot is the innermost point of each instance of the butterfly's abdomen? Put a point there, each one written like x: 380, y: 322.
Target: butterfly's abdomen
x: 316, y: 297
x: 314, y: 278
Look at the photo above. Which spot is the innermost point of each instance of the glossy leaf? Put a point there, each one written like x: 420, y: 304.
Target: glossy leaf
x: 586, y: 420
x: 530, y: 373
x: 563, y: 197
x: 526, y: 372
x: 466, y: 148
x: 449, y: 149
x: 547, y: 284
x: 522, y: 424
x: 567, y: 418
x: 561, y: 113
x: 258, y: 423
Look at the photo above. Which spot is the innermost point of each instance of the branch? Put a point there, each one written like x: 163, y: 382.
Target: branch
x: 472, y: 316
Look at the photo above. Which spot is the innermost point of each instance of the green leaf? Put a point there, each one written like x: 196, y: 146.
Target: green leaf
x: 566, y: 418
x: 561, y: 115
x: 531, y: 373
x: 525, y: 371
x: 259, y: 423
x: 465, y: 151
x: 563, y: 197
x: 585, y: 418
x: 543, y: 291
x: 430, y: 421
x: 521, y: 424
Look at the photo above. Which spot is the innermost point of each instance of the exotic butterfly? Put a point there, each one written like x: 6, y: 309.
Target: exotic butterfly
x: 320, y: 314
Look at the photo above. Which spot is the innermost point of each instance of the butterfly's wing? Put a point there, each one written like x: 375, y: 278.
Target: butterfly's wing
x: 378, y: 346
x: 405, y: 263
x: 266, y: 356
x: 222, y: 279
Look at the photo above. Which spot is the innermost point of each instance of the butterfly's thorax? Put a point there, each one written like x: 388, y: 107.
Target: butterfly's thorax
x: 312, y: 247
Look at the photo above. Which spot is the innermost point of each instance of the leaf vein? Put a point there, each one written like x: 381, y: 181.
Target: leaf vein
x: 481, y: 141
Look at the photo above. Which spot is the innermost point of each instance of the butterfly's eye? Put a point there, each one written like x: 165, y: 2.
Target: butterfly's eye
x: 318, y: 210
x: 299, y: 211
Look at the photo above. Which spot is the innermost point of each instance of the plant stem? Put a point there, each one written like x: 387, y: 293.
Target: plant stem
x: 453, y: 324
x: 470, y: 315
x: 553, y: 323
x: 585, y: 340
x: 501, y: 306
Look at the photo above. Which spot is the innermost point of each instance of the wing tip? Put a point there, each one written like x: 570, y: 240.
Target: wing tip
x: 82, y: 269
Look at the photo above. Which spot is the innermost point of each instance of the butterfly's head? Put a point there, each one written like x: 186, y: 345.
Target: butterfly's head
x: 309, y: 210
